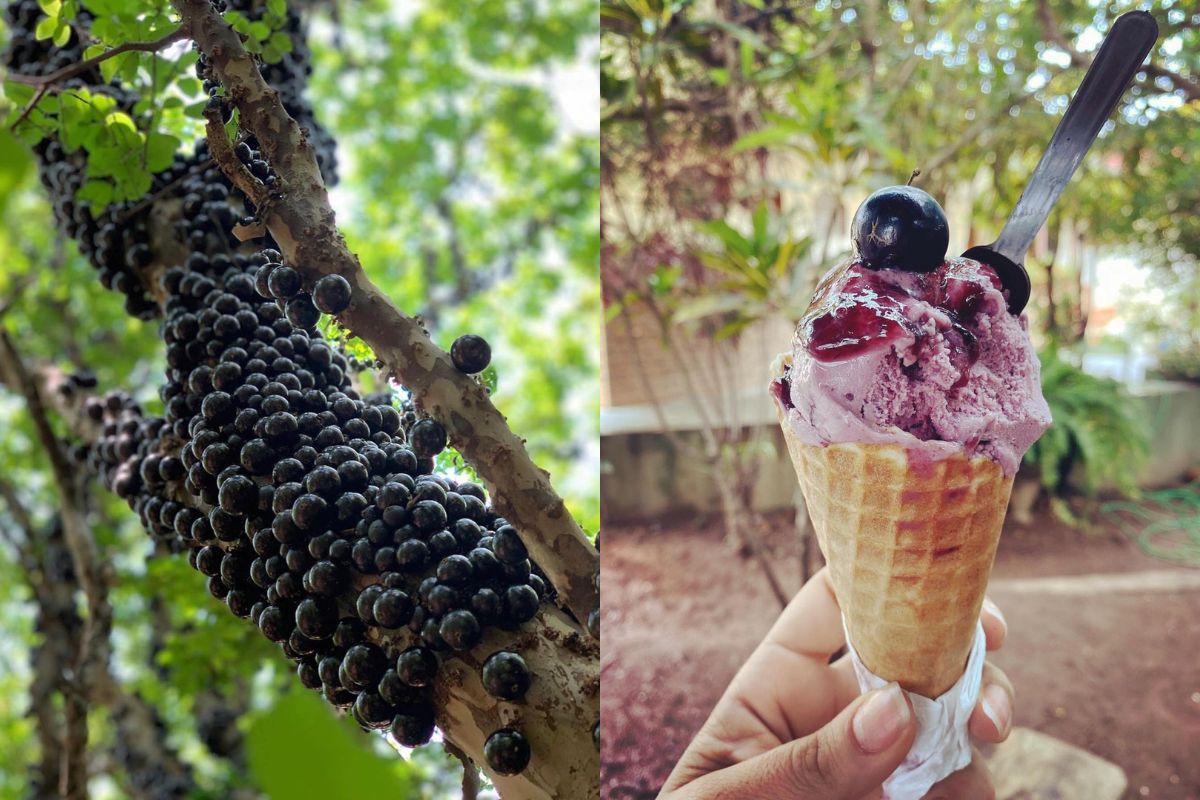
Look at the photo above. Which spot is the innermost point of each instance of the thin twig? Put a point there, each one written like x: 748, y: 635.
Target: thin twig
x: 33, y: 101
x: 470, y: 781
x: 80, y: 67
x: 230, y: 164
x: 23, y: 544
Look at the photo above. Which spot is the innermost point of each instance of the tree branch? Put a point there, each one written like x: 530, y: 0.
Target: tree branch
x: 1189, y: 88
x: 88, y: 569
x: 80, y: 67
x: 470, y: 781
x: 302, y: 223
x: 230, y: 164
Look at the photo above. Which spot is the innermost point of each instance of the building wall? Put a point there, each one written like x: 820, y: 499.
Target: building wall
x: 633, y: 352
x: 646, y: 478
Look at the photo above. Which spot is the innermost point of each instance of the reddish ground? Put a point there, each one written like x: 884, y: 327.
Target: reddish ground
x: 1117, y: 675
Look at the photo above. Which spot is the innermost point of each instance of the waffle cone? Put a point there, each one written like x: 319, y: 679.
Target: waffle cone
x: 909, y: 550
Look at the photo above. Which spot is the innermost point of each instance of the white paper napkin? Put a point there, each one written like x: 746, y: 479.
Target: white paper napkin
x: 942, y: 746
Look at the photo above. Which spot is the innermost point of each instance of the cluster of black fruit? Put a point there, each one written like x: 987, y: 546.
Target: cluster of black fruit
x: 312, y: 512
x: 116, y: 241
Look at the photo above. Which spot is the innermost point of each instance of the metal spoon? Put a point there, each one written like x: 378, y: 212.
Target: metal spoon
x: 1124, y: 49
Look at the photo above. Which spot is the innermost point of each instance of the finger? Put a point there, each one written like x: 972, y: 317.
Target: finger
x: 995, y: 627
x: 849, y: 757
x: 991, y: 720
x: 846, y: 686
x: 811, y: 625
x: 972, y: 782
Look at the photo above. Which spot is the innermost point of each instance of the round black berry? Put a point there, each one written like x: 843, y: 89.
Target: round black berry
x: 284, y: 283
x: 392, y: 609
x: 317, y: 617
x: 417, y: 666
x: 460, y: 630
x: 427, y: 437
x: 507, y: 751
x: 239, y: 495
x: 901, y: 227
x: 364, y: 664
x: 471, y: 353
x: 331, y: 294
x: 412, y: 730
x: 505, y: 675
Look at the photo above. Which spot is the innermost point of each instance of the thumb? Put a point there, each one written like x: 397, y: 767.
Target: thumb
x: 848, y: 758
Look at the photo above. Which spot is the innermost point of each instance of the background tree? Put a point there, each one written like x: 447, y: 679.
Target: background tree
x: 515, y: 223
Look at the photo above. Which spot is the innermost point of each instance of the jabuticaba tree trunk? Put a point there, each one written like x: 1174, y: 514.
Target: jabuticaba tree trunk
x: 151, y: 769
x: 294, y: 495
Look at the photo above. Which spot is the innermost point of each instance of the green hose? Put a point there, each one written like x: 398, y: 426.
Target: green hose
x: 1165, y: 524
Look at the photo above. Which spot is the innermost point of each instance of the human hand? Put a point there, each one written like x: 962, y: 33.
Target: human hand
x: 792, y: 725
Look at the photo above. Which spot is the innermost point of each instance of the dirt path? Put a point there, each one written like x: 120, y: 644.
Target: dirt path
x: 1116, y: 673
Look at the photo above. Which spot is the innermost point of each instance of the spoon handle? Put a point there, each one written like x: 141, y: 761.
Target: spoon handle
x: 1123, y: 51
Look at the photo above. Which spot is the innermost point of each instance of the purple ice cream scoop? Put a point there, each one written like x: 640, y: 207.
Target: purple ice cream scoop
x: 932, y: 361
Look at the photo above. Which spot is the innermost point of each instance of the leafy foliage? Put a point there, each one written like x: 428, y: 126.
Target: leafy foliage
x: 1095, y: 429
x: 123, y: 150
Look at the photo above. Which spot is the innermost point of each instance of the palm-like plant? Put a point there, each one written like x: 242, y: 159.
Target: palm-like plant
x: 1095, y: 427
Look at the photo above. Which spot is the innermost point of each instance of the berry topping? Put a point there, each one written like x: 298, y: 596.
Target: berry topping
x: 901, y: 227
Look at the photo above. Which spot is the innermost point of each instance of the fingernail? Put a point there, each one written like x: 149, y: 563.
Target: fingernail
x: 881, y: 719
x: 994, y: 610
x: 997, y: 708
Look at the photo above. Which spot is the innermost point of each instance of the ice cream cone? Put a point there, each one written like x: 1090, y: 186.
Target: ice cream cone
x: 909, y: 549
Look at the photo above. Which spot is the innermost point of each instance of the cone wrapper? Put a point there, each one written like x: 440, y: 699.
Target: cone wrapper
x: 909, y: 547
x: 942, y: 746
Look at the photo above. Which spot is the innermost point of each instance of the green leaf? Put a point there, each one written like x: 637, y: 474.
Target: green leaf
x: 160, y: 151
x: 730, y: 237
x: 15, y: 164
x: 231, y: 127
x: 128, y: 67
x: 277, y: 7
x: 764, y: 137
x: 280, y: 41
x: 46, y: 28
x: 62, y: 34
x: 137, y: 184
x: 190, y: 85
x: 238, y: 21
x: 708, y: 305
x: 119, y: 120
x: 18, y: 93
x: 299, y: 749
x: 260, y: 30
x: 98, y: 194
